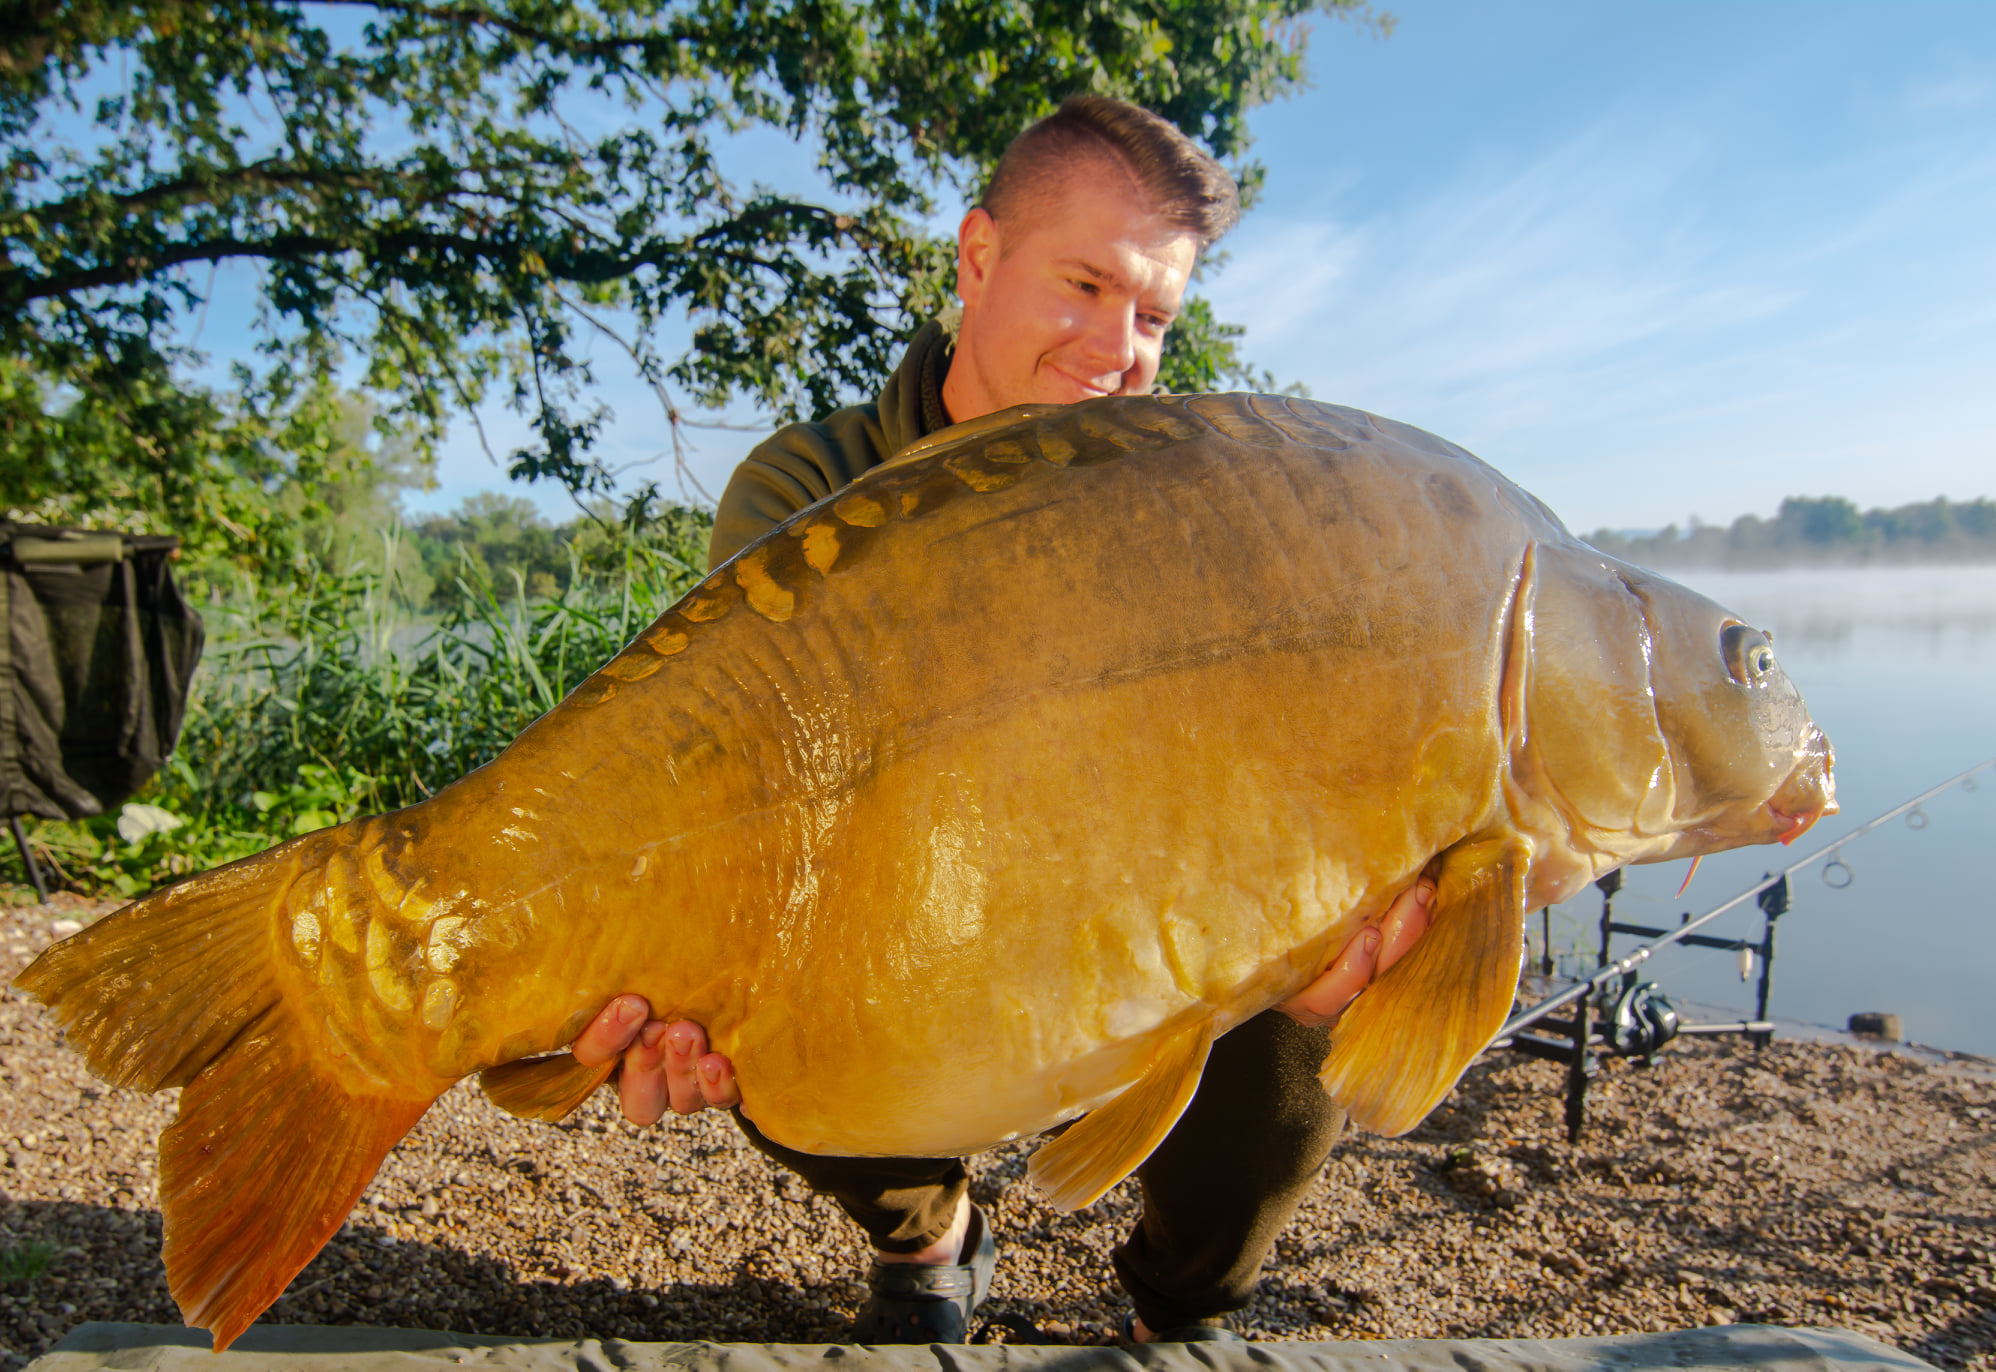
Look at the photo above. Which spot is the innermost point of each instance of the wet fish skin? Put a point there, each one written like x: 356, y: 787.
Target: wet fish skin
x: 980, y: 795
x: 1098, y: 676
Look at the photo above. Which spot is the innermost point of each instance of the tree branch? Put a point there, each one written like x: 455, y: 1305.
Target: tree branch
x: 583, y: 266
x: 672, y: 417
x: 269, y: 174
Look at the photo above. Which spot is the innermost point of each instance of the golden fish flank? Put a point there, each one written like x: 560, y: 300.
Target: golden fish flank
x: 344, y: 902
x: 1056, y: 450
x: 1051, y: 750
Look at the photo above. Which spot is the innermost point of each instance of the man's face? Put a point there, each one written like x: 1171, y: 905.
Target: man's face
x: 1077, y: 307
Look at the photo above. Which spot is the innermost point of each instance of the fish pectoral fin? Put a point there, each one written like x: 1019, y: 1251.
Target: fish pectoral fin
x: 1108, y: 1144
x: 548, y: 1088
x: 1404, y: 1042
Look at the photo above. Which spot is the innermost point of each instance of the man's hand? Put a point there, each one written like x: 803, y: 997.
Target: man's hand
x: 1365, y: 957
x: 666, y: 1066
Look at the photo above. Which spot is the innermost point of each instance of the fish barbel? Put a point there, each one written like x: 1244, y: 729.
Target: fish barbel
x: 981, y: 795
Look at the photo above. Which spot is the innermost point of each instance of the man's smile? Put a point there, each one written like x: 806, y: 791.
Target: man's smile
x: 1088, y: 389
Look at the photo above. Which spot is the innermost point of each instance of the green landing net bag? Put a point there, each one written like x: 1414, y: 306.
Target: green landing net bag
x: 96, y: 652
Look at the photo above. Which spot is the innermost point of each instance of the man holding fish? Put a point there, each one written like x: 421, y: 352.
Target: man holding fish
x: 1071, y: 270
x: 1015, y: 780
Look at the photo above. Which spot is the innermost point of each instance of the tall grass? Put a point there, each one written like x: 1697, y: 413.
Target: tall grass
x: 325, y: 700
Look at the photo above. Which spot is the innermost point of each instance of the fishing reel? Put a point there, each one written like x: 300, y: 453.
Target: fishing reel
x: 1642, y: 1021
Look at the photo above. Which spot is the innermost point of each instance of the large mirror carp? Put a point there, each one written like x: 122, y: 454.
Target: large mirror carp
x: 979, y: 796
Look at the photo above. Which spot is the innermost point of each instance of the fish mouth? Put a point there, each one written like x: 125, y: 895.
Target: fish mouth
x: 1809, y: 793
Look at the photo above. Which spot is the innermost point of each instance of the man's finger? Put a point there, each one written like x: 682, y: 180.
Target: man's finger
x: 1370, y: 953
x: 1324, y: 999
x: 641, y: 1085
x: 1406, y: 920
x: 612, y: 1031
x: 717, y: 1081
x: 685, y: 1045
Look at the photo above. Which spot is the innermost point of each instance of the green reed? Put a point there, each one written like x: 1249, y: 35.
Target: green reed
x: 328, y: 699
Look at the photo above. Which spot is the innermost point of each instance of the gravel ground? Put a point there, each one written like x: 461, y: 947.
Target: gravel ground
x: 1807, y: 1184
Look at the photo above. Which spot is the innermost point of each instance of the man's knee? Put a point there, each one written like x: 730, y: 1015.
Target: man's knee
x: 1263, y: 1074
x: 903, y: 1204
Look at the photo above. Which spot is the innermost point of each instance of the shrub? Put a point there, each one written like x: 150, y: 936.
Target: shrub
x: 325, y: 699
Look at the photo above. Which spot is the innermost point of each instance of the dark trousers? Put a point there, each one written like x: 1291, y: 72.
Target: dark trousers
x: 1216, y: 1192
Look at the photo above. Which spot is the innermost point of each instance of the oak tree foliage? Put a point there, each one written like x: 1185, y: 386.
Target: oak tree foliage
x: 444, y: 200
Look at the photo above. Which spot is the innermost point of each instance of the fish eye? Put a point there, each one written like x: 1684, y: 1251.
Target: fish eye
x: 1749, y: 656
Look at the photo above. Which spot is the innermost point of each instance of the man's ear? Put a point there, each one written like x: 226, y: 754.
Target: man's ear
x: 976, y: 254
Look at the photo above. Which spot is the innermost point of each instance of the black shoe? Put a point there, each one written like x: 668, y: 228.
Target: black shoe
x: 1214, y: 1330
x: 923, y: 1303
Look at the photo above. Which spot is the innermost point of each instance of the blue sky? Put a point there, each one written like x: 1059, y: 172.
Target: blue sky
x: 1652, y: 260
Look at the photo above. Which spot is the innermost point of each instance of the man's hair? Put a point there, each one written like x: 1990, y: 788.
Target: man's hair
x: 1181, y: 183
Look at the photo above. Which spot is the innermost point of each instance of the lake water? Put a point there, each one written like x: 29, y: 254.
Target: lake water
x: 1899, y: 668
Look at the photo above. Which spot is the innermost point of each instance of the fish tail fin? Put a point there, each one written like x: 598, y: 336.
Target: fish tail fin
x: 266, y: 1158
x: 152, y: 994
x: 270, y: 1148
x: 1407, y: 1039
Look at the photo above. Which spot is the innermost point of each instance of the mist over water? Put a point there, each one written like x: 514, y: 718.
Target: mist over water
x: 1898, y: 666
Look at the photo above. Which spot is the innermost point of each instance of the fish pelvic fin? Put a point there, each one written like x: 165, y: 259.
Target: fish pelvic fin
x: 269, y: 1150
x: 1108, y: 1144
x: 547, y: 1088
x: 1406, y: 1040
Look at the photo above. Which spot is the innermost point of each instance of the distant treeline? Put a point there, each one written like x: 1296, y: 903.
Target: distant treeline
x: 503, y: 542
x: 1819, y: 531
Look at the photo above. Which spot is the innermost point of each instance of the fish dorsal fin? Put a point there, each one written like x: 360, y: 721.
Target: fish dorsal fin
x: 1403, y: 1043
x: 1516, y: 680
x: 969, y: 429
x: 548, y: 1088
x: 1107, y: 1145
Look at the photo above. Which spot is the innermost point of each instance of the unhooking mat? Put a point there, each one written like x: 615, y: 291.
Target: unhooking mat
x: 311, y: 1348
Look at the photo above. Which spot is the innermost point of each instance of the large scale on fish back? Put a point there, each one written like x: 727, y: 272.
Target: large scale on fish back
x: 980, y: 795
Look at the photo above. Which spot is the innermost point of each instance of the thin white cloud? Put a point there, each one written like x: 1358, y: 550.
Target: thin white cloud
x: 1502, y: 287
x: 1958, y: 87
x: 1279, y: 286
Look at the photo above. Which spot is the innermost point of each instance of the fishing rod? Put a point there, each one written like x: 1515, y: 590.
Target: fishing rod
x: 1621, y: 967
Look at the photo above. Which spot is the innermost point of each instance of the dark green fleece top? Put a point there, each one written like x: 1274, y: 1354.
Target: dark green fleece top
x: 803, y: 463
